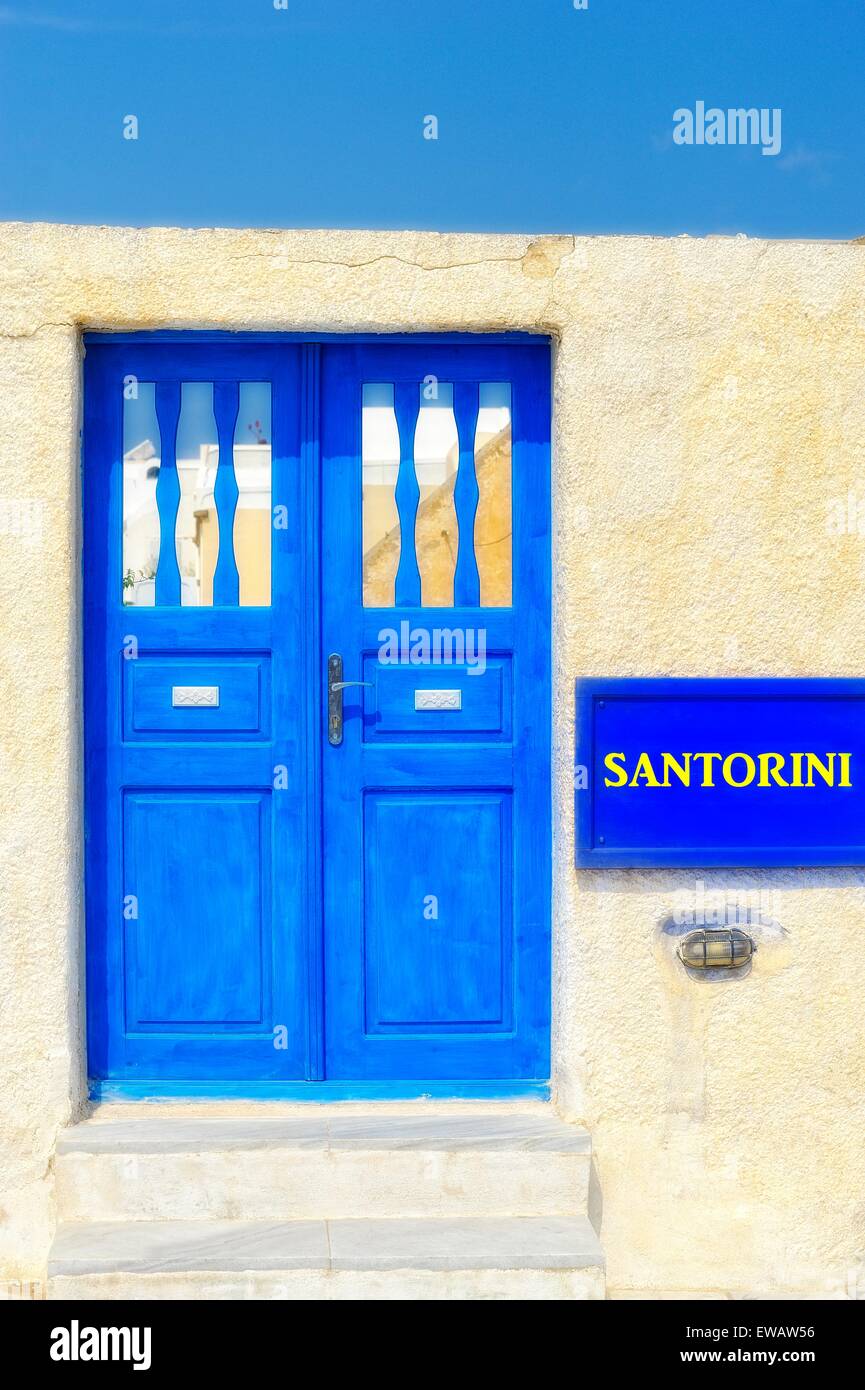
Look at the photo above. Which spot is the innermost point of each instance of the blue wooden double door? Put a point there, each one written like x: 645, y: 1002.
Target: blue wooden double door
x: 317, y: 712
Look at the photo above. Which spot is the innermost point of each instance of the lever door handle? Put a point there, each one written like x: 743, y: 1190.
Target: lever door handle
x: 335, y: 686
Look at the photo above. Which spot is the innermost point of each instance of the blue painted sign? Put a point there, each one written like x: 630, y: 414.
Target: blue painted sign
x: 677, y: 772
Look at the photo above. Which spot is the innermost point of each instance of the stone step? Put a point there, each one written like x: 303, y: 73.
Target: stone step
x: 367, y: 1162
x: 442, y: 1258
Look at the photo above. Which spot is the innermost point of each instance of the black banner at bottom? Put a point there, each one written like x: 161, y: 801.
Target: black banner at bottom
x: 245, y: 1338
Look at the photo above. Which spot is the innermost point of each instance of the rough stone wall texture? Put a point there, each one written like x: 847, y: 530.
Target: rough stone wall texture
x: 709, y: 406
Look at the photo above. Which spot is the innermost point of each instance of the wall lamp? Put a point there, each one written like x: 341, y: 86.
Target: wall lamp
x: 707, y: 949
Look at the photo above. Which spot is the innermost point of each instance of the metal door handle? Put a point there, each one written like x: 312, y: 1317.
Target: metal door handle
x: 335, y: 686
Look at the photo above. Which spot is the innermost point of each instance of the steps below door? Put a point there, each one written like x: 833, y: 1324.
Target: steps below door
x: 333, y: 1163
x: 443, y: 1258
x: 389, y: 1201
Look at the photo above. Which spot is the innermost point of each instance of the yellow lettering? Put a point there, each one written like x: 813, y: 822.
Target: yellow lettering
x: 644, y: 769
x: 826, y: 772
x: 707, y: 767
x: 774, y: 772
x: 682, y: 769
x: 771, y: 767
x: 612, y: 766
x: 750, y: 767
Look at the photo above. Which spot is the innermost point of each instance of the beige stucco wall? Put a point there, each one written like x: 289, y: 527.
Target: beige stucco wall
x: 709, y: 406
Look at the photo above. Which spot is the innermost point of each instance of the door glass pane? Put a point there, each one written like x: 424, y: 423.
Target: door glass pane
x: 436, y: 456
x: 252, y: 470
x: 197, y: 532
x: 141, y: 448
x: 379, y: 466
x: 493, y: 519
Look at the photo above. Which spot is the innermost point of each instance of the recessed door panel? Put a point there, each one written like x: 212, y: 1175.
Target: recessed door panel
x: 438, y: 949
x: 199, y: 934
x: 437, y: 702
x: 179, y: 697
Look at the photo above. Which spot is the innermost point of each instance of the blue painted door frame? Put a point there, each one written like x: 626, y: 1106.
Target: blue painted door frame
x: 251, y: 933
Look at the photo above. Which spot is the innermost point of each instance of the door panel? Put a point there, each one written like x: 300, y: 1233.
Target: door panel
x: 179, y: 698
x: 436, y: 797
x: 448, y: 965
x: 199, y: 950
x: 432, y: 705
x: 198, y: 838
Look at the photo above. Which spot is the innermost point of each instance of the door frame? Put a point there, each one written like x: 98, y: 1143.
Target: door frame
x: 313, y: 1089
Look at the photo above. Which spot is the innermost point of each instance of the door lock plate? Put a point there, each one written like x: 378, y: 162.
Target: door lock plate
x: 334, y: 699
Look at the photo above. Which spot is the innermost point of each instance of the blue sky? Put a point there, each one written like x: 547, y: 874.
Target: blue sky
x: 549, y: 118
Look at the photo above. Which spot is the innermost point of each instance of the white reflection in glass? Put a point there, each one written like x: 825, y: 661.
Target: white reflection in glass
x: 379, y: 468
x: 252, y: 470
x: 493, y: 519
x: 141, y: 450
x: 436, y: 460
x: 197, y: 532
